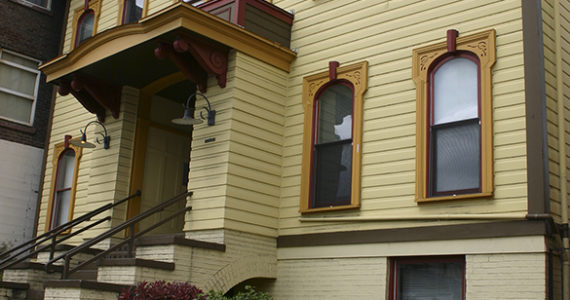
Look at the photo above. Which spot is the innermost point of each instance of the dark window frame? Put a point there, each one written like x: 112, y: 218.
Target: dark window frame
x: 431, y: 171
x: 393, y: 283
x: 315, y: 145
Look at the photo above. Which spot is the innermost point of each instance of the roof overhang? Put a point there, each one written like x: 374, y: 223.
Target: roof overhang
x: 129, y: 55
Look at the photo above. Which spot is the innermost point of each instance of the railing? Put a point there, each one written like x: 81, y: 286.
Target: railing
x: 32, y: 247
x: 130, y: 240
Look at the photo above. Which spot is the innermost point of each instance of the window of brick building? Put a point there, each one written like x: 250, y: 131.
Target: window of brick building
x: 19, y: 81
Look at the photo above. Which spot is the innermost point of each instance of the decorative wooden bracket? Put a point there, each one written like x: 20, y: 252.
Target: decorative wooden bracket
x: 186, y: 64
x: 95, y: 95
x: 207, y: 58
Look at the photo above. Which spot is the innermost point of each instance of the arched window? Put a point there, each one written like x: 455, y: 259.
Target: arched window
x: 455, y: 130
x: 332, y: 146
x: 332, y: 138
x: 132, y: 11
x: 64, y: 181
x: 454, y: 127
x: 85, y: 20
x: 85, y: 27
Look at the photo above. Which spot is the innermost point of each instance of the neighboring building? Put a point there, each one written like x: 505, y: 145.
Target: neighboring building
x: 395, y: 149
x: 30, y: 34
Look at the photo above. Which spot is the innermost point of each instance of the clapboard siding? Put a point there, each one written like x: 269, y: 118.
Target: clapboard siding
x: 103, y: 174
x: 384, y: 34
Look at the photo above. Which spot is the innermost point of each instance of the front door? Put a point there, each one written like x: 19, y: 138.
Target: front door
x: 165, y: 176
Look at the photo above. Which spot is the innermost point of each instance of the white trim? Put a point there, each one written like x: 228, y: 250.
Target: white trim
x: 29, y: 4
x: 525, y: 244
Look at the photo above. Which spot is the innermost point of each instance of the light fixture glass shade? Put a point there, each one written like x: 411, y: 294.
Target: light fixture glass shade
x: 187, y: 119
x: 83, y: 143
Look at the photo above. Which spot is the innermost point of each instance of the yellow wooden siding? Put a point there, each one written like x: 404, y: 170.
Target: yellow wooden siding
x: 248, y: 160
x: 384, y: 34
x: 156, y: 5
x: 103, y: 174
x: 556, y: 37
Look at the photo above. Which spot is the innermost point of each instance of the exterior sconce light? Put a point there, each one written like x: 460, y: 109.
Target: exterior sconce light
x: 187, y: 119
x: 83, y: 143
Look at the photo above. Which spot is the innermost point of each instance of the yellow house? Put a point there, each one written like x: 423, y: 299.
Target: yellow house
x: 318, y: 149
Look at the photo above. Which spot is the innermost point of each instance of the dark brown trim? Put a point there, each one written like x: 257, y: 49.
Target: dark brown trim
x: 178, y: 239
x: 14, y: 285
x: 85, y: 284
x: 535, y: 103
x: 428, y: 233
x: 35, y: 266
x: 137, y: 262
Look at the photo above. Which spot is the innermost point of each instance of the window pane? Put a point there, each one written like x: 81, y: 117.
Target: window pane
x: 32, y: 64
x: 85, y: 27
x: 455, y: 91
x: 17, y: 80
x: 441, y: 281
x: 335, y: 114
x: 15, y: 108
x: 133, y: 10
x: 456, y: 157
x: 42, y: 3
x: 62, y: 207
x: 333, y: 163
x: 65, y: 171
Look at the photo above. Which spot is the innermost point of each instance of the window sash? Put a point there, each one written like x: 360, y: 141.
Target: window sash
x: 459, y: 182
x: 338, y: 171
x: 455, y: 168
x: 46, y: 4
x: 16, y: 90
x: 85, y: 27
x: 427, y: 278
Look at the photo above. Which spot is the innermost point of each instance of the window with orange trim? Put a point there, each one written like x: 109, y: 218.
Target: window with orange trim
x: 85, y: 20
x: 132, y: 11
x: 333, y: 138
x: 454, y: 152
x: 64, y: 181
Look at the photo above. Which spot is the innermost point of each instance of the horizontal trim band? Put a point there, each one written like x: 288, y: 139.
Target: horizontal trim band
x: 427, y: 233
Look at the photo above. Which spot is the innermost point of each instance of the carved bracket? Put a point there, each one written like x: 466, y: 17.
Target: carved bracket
x: 206, y: 58
x: 95, y: 95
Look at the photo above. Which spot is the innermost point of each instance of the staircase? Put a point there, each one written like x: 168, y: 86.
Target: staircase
x: 45, y: 268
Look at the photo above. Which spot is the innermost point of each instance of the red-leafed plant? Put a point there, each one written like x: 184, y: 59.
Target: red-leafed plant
x: 160, y: 290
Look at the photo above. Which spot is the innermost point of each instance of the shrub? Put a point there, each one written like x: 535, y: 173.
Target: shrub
x: 160, y: 290
x: 248, y: 294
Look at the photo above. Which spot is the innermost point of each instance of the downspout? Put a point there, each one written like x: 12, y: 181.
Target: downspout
x: 538, y: 185
x: 562, y: 153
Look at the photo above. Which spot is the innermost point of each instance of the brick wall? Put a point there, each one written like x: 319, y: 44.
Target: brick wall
x: 35, y: 33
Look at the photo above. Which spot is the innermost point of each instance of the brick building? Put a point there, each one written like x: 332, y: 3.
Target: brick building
x: 30, y: 35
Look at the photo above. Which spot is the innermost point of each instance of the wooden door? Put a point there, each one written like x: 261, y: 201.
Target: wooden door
x: 165, y: 175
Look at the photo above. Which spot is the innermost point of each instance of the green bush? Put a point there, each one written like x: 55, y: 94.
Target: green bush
x: 248, y: 294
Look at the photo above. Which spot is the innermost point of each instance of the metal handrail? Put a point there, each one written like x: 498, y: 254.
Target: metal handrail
x: 130, y: 224
x: 52, y: 235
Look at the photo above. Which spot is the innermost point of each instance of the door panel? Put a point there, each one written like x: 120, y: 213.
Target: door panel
x: 167, y: 153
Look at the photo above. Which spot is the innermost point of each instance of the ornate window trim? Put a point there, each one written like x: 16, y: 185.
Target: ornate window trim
x: 357, y: 76
x: 483, y: 46
x: 95, y: 6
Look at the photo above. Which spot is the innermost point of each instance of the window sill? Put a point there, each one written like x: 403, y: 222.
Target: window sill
x: 330, y: 208
x: 29, y: 129
x: 454, y: 197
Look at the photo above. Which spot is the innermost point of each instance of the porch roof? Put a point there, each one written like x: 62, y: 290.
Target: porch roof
x: 125, y: 55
